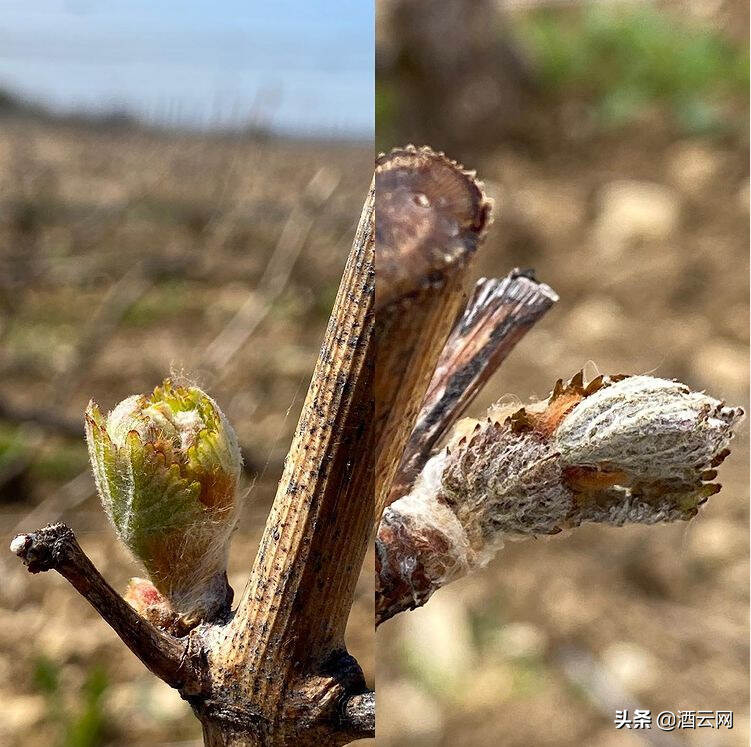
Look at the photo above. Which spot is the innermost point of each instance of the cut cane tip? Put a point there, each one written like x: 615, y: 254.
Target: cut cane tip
x: 19, y: 544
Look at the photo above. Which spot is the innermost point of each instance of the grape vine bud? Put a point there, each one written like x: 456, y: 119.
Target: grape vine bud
x: 622, y: 449
x: 167, y: 469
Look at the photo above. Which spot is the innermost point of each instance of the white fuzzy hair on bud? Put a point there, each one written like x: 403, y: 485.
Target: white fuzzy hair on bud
x: 626, y: 449
x: 653, y: 428
x: 167, y: 468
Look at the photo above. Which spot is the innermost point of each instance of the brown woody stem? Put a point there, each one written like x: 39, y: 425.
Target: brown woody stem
x: 278, y: 672
x: 499, y: 313
x: 55, y: 548
x: 431, y: 217
x: 358, y: 716
x: 496, y: 317
x: 284, y: 650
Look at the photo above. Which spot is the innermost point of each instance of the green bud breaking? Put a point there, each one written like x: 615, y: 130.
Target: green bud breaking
x: 167, y: 469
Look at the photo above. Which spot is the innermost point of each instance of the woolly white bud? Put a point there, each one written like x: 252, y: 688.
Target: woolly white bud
x: 652, y: 429
x: 616, y: 450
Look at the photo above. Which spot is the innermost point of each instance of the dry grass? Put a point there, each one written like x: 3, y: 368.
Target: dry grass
x: 81, y: 208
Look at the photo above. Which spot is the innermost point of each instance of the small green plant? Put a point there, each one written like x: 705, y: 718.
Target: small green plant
x: 628, y: 61
x: 167, y: 300
x: 385, y: 114
x: 59, y: 461
x: 85, y: 725
x: 11, y: 445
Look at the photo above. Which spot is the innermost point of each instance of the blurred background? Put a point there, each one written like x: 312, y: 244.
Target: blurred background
x: 614, y: 139
x: 180, y: 186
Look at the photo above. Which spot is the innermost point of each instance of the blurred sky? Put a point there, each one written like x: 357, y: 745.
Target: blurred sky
x: 299, y: 66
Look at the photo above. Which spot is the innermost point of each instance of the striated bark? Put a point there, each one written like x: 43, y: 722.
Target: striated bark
x: 277, y: 672
x: 496, y: 317
x: 431, y: 215
x: 55, y: 548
